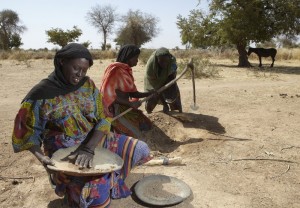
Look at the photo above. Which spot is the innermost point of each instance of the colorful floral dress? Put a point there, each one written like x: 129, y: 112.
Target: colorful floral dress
x: 65, y: 121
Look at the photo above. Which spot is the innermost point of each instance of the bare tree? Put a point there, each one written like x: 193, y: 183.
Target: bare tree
x: 103, y: 18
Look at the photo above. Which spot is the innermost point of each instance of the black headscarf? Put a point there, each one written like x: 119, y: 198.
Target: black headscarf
x: 56, y: 83
x: 127, y: 52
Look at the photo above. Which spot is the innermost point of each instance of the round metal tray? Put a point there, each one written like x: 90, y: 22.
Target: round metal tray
x: 162, y: 190
x: 104, y: 161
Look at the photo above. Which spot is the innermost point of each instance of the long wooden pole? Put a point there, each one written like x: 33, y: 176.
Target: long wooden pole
x: 194, y: 106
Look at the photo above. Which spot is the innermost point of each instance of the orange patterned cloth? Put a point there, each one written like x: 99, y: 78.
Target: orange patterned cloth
x: 117, y: 76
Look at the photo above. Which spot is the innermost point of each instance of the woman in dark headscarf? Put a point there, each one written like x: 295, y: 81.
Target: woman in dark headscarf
x: 120, y: 93
x: 64, y: 110
x: 160, y: 70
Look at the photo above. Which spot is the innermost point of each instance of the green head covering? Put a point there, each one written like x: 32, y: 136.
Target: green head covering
x: 156, y: 77
x: 162, y: 52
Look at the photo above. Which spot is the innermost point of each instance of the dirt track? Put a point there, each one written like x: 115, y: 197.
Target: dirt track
x: 240, y: 149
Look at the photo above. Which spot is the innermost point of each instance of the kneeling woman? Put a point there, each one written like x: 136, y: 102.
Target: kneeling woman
x: 161, y: 69
x: 64, y: 110
x: 120, y: 93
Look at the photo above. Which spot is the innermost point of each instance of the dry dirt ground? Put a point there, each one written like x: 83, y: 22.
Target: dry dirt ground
x: 239, y: 149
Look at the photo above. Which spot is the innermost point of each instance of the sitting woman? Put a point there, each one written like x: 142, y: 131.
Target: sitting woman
x: 64, y: 110
x: 160, y: 70
x: 120, y: 93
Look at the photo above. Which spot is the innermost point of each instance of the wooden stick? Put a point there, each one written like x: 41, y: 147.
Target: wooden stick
x: 189, y: 65
x: 267, y: 159
x: 290, y: 147
x: 194, y: 88
x: 164, y: 161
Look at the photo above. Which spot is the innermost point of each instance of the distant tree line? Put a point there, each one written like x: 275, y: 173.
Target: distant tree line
x: 136, y: 28
x: 230, y: 23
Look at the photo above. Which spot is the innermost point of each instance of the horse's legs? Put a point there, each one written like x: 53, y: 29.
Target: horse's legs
x: 273, y: 59
x: 259, y: 57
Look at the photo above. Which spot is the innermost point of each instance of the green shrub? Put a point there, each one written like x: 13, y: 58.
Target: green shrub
x: 203, y: 68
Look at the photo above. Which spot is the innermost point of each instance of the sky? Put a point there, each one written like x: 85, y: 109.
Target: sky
x: 41, y: 15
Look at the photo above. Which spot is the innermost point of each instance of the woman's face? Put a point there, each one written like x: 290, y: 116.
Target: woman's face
x: 163, y: 61
x: 133, y: 61
x: 74, y: 69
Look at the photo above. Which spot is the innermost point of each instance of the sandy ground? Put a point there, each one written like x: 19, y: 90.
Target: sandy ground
x: 239, y: 149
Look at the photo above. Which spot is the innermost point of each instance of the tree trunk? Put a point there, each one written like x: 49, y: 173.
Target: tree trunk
x: 243, y: 57
x: 5, y: 41
x: 104, y: 40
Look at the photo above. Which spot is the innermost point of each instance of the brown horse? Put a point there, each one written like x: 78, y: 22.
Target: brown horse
x: 263, y: 52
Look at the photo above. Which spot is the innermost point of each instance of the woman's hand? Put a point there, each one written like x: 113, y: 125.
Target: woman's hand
x: 135, y: 104
x: 83, y: 156
x: 45, y: 160
x: 37, y: 152
x: 155, y: 94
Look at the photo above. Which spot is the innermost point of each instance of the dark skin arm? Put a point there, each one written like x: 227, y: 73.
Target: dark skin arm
x: 123, y: 99
x: 140, y: 94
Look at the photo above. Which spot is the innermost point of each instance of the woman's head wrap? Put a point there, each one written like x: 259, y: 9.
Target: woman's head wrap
x: 162, y: 52
x: 127, y: 52
x: 73, y: 51
x: 56, y: 83
x: 155, y: 76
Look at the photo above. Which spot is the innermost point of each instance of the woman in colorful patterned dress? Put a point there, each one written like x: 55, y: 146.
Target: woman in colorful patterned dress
x: 64, y: 110
x: 120, y: 93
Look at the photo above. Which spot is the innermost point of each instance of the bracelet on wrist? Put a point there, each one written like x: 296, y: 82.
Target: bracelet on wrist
x: 86, y: 149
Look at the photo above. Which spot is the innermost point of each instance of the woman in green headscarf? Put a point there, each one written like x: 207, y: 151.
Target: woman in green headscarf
x: 160, y: 70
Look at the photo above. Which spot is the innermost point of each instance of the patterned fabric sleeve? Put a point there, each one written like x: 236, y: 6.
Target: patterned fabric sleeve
x: 27, y: 128
x: 104, y: 123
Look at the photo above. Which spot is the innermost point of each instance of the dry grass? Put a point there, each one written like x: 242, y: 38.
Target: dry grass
x: 231, y: 53
x: 282, y: 54
x: 203, y: 59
